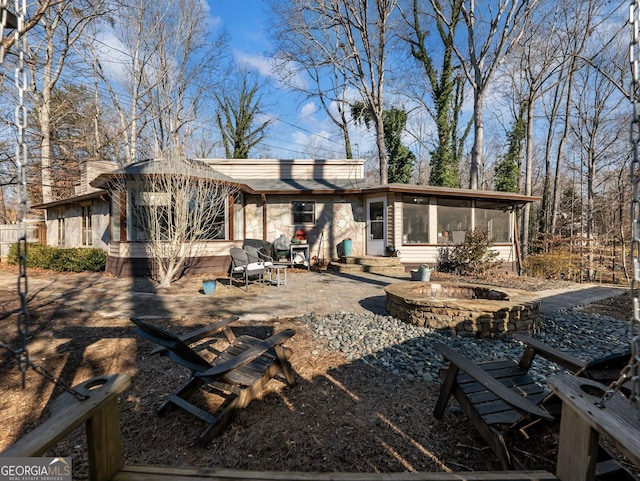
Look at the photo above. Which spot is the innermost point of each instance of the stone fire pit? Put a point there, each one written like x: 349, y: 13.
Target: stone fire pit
x: 464, y: 309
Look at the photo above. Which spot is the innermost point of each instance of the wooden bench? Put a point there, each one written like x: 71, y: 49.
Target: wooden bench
x: 501, y: 399
x: 106, y: 461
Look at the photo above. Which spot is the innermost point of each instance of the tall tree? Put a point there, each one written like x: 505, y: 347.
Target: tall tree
x: 401, y: 159
x: 508, y: 168
x: 63, y: 25
x: 298, y: 58
x: 491, y: 34
x: 162, y: 79
x: 600, y: 129
x: 354, y: 36
x: 237, y: 118
x: 581, y: 21
x: 446, y: 87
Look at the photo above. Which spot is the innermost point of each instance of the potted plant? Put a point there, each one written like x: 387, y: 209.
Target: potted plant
x: 209, y: 286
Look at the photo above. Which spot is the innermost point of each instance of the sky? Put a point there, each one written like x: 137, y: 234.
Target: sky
x: 299, y: 128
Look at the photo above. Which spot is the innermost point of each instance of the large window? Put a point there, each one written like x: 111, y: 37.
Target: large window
x: 303, y: 212
x: 415, y: 220
x: 454, y: 220
x: 495, y: 219
x: 155, y: 215
x: 151, y: 214
x: 87, y: 230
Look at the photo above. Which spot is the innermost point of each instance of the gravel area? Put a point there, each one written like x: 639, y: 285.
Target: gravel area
x: 406, y: 350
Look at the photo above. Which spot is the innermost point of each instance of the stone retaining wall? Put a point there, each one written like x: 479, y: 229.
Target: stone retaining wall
x: 464, y: 309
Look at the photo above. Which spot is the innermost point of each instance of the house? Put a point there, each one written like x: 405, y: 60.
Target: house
x: 329, y: 199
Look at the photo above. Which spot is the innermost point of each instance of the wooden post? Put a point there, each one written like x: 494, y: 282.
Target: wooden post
x: 577, y: 449
x: 101, y: 414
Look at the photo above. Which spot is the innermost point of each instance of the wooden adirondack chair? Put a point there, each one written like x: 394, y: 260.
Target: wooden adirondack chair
x: 238, y: 374
x: 501, y: 399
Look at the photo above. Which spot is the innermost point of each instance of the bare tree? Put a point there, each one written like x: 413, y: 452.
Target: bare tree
x: 63, y: 24
x: 8, y: 39
x: 491, y: 34
x: 533, y: 71
x: 177, y: 206
x: 599, y: 130
x: 352, y: 36
x: 163, y: 75
x: 297, y: 53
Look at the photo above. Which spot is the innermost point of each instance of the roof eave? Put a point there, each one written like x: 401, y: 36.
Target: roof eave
x: 100, y: 194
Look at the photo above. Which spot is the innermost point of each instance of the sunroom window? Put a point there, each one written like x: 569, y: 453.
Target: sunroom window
x: 415, y: 219
x: 454, y: 220
x: 495, y: 219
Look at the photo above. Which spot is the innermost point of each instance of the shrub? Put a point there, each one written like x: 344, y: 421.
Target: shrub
x: 473, y: 256
x: 558, y: 264
x: 62, y: 260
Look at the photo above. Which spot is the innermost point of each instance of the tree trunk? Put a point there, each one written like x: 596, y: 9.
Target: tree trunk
x: 478, y: 138
x: 382, y: 148
x: 526, y: 213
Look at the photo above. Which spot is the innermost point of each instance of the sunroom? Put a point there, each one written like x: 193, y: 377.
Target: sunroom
x: 414, y: 222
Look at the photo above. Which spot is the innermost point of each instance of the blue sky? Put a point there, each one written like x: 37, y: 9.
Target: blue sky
x: 299, y: 129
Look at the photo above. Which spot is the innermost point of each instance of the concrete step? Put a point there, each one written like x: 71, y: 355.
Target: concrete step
x: 395, y: 271
x: 380, y: 261
x: 371, y: 260
x: 386, y: 270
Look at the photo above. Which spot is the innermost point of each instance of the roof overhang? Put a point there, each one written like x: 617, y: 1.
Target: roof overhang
x: 429, y: 190
x: 99, y: 194
x: 149, y: 168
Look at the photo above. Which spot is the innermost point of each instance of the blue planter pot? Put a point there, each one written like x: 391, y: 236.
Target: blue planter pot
x: 209, y: 287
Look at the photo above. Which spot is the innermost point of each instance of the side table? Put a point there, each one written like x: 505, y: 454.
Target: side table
x: 277, y: 269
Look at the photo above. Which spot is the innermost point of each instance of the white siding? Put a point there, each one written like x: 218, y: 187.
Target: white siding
x: 289, y: 169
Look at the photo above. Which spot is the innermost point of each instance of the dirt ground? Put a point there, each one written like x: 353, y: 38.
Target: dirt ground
x: 341, y: 416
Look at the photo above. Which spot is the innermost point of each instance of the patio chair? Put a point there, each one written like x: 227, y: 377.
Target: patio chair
x: 238, y: 374
x: 502, y: 400
x: 243, y: 267
x: 257, y: 255
x: 265, y: 248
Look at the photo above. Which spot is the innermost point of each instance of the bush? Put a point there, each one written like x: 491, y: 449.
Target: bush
x: 473, y: 256
x: 62, y: 260
x: 558, y: 264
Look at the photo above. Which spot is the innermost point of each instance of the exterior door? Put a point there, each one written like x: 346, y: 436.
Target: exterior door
x: 376, y: 226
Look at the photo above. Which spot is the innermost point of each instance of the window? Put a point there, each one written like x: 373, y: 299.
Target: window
x: 87, y: 231
x: 154, y: 213
x: 454, y: 220
x: 303, y: 212
x: 495, y: 219
x: 415, y: 219
x: 151, y: 214
x: 59, y: 215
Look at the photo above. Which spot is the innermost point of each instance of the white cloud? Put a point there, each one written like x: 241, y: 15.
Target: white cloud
x: 266, y: 66
x: 307, y: 110
x: 112, y: 54
x: 260, y: 63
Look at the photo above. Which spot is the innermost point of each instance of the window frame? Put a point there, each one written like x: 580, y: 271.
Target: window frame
x: 422, y: 235
x: 87, y: 225
x: 301, y: 211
